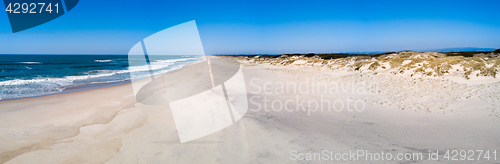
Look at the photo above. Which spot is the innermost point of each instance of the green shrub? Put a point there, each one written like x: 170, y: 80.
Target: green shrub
x: 396, y: 62
x: 374, y: 66
x: 467, y: 74
x: 421, y: 69
x: 489, y: 72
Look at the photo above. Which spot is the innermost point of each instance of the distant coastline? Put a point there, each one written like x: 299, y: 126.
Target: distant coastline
x: 442, y: 50
x: 463, y: 50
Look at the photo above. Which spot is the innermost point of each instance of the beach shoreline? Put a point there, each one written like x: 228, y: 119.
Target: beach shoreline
x: 35, y: 75
x: 77, y: 89
x: 68, y: 100
x: 107, y: 125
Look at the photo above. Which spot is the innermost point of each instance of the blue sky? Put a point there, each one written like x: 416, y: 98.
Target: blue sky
x: 248, y: 27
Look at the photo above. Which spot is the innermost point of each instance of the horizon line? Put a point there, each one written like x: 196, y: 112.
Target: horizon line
x: 352, y: 52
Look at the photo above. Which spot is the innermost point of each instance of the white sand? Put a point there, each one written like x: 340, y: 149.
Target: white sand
x: 107, y: 125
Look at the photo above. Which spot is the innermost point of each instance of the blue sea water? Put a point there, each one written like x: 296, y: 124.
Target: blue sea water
x: 23, y: 76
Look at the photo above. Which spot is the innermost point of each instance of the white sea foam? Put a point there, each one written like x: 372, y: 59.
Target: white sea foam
x: 175, y: 60
x: 102, y: 61
x: 30, y: 62
x: 19, y: 88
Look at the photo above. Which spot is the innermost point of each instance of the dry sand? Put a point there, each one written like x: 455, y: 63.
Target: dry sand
x: 401, y: 115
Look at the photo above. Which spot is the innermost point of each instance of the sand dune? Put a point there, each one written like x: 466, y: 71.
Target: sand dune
x: 402, y: 113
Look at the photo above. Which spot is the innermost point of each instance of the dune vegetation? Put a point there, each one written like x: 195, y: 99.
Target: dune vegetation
x: 434, y: 64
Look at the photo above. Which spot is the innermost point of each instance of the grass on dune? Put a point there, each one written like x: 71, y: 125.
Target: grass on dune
x: 426, y: 63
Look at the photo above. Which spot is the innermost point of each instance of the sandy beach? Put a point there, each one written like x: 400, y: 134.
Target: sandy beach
x: 334, y: 110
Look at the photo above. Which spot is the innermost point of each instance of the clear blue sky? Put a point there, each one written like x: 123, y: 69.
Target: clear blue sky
x: 259, y: 26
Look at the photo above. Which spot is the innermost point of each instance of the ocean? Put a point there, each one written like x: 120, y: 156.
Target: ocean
x: 23, y: 76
